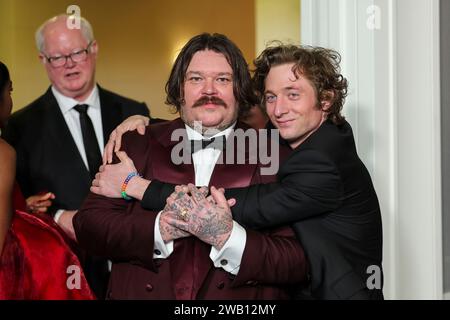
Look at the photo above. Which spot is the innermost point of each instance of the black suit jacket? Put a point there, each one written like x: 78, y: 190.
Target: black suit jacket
x: 47, y: 156
x: 325, y: 191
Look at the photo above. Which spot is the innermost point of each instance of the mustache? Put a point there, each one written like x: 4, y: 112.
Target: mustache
x: 209, y: 100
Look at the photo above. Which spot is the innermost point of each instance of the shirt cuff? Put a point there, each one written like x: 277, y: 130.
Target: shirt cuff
x: 161, y: 249
x: 58, y: 215
x: 230, y: 256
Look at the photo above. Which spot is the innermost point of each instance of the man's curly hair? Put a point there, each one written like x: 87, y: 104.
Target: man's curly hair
x: 319, y: 65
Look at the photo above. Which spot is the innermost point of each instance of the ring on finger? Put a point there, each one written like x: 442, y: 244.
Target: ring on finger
x: 184, y: 214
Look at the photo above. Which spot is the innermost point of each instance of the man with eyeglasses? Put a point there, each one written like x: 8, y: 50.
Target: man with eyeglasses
x: 59, y: 138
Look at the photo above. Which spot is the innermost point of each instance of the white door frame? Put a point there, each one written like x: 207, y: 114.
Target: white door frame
x: 390, y: 54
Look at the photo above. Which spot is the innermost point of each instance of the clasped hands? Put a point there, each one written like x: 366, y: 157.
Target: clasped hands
x: 190, y: 211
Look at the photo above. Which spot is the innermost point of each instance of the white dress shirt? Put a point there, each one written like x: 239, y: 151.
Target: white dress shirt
x: 204, y: 162
x: 72, y: 118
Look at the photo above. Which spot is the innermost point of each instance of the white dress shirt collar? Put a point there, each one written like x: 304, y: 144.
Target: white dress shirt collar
x: 66, y: 103
x: 195, y: 135
x: 72, y: 118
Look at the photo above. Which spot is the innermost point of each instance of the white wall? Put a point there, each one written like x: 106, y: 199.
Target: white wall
x: 276, y: 20
x: 390, y: 51
x: 445, y: 132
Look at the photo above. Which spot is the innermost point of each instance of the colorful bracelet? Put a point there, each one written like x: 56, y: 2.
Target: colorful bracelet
x: 125, y: 184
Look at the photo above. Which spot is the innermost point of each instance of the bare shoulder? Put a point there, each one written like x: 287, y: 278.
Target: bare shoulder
x: 7, y: 153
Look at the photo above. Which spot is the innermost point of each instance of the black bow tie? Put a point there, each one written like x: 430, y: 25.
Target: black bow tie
x: 216, y: 143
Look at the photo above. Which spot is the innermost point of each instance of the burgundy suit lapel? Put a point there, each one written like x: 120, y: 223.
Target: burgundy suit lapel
x: 230, y: 172
x: 224, y: 175
x: 164, y: 135
x: 184, y: 173
x: 172, y: 173
x: 165, y: 168
x: 231, y: 175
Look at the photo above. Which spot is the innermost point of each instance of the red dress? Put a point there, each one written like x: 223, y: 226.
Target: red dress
x: 36, y: 262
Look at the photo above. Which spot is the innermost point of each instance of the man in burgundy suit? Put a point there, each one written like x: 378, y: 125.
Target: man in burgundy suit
x: 152, y: 259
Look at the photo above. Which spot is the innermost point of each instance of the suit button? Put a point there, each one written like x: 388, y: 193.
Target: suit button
x: 157, y: 252
x: 224, y: 262
x: 149, y: 287
x: 221, y: 285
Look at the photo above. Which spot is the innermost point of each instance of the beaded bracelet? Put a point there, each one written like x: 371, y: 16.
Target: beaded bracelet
x: 125, y: 184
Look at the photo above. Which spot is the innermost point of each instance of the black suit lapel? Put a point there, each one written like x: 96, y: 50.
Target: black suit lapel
x: 60, y: 136
x: 111, y: 113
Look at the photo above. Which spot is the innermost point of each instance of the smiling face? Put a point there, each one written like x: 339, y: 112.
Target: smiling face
x: 74, y: 79
x: 208, y: 92
x: 292, y: 104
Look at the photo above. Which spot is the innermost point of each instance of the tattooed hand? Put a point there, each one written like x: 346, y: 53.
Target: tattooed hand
x: 176, y: 203
x: 208, y: 220
x: 180, y: 200
x: 167, y: 229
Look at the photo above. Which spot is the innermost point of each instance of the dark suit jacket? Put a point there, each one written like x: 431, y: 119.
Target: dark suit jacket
x: 325, y: 192
x: 123, y: 232
x: 48, y: 158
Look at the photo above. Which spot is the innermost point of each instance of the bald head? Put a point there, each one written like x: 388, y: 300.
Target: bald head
x: 61, y: 23
x: 75, y: 51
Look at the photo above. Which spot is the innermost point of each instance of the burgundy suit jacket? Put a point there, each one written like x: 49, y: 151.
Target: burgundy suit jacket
x: 273, y: 261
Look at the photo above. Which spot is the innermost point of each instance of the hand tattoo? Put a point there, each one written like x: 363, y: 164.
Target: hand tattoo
x: 211, y: 224
x: 167, y: 229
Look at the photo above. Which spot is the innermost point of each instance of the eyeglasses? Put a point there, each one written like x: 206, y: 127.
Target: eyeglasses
x: 78, y: 56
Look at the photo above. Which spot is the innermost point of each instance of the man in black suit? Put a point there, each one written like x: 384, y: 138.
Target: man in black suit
x: 323, y: 189
x: 60, y: 136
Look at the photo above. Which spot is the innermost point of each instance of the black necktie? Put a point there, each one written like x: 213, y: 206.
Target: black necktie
x: 216, y: 143
x: 93, y: 155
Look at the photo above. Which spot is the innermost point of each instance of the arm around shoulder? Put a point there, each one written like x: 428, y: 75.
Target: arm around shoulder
x: 118, y: 229
x: 275, y: 258
x: 308, y: 185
